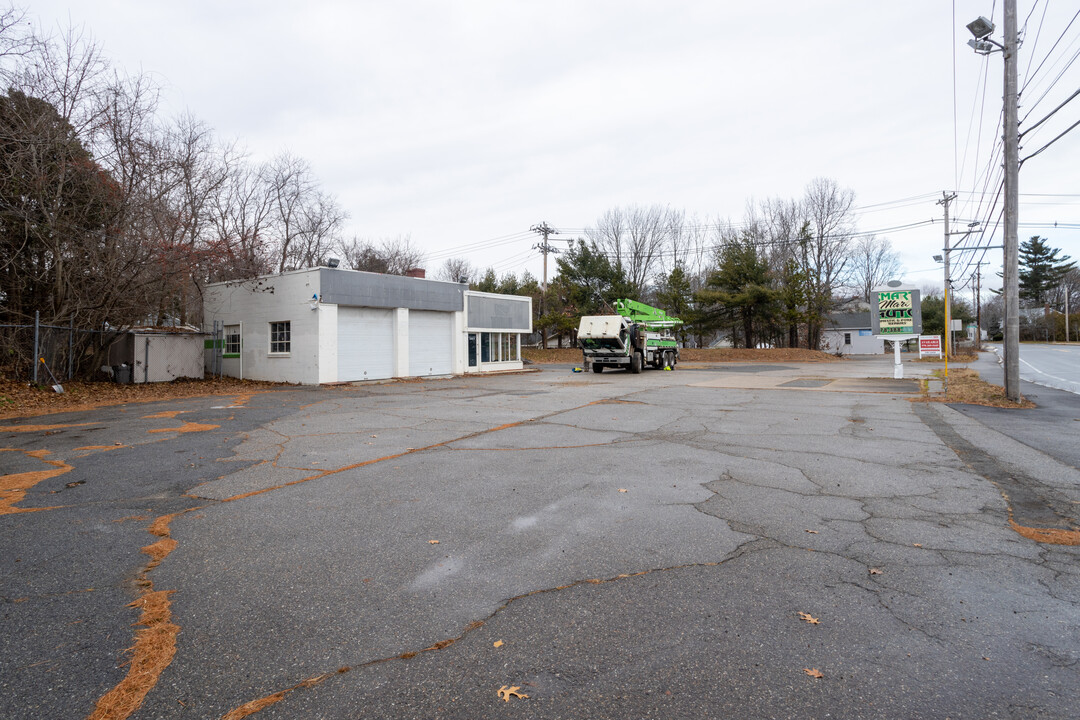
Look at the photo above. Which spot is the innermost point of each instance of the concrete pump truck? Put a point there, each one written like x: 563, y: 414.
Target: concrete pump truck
x: 637, y: 336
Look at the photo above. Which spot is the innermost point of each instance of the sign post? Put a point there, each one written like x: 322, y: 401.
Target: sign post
x: 897, y: 316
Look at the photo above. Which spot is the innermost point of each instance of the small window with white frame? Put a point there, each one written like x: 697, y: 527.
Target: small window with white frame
x: 232, y: 341
x: 280, y: 338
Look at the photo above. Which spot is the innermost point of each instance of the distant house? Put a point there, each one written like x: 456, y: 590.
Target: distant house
x: 851, y: 334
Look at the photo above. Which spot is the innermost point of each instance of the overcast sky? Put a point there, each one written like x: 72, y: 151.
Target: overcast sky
x: 466, y: 121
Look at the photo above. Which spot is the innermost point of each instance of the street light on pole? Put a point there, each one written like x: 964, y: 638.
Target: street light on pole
x: 981, y: 29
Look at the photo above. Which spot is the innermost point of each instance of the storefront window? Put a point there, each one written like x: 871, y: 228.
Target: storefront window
x: 498, y: 347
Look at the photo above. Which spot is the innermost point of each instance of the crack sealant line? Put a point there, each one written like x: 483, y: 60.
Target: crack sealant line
x: 373, y: 461
x: 254, y: 706
x: 411, y: 451
x: 155, y: 641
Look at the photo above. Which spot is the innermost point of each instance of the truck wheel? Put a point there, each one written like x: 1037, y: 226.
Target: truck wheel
x: 597, y: 368
x: 635, y: 363
x: 671, y: 360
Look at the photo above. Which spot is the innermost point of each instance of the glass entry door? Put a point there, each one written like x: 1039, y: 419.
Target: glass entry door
x: 472, y: 350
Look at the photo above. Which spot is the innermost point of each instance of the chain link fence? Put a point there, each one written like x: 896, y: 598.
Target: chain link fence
x: 44, y: 354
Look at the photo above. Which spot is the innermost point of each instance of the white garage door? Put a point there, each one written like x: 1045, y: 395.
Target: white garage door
x: 365, y: 344
x: 430, y: 342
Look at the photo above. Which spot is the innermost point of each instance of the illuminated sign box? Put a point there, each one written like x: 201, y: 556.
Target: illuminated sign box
x: 897, y: 311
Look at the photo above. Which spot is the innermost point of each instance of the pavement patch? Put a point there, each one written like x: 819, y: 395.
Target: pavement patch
x: 1032, y: 513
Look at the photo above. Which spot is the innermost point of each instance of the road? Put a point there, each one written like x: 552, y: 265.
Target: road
x: 670, y: 544
x: 1051, y: 427
x: 1054, y: 365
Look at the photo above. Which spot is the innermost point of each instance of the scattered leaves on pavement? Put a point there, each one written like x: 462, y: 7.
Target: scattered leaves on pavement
x: 814, y: 673
x: 875, y: 571
x: 19, y: 399
x: 919, y: 545
x: 497, y: 643
x: 433, y: 542
x: 810, y: 619
x: 812, y: 532
x: 506, y: 692
x: 622, y: 489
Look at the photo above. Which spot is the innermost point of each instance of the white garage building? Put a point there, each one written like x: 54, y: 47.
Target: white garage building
x: 326, y: 325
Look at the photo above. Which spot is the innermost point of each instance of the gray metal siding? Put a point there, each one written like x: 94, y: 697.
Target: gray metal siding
x: 506, y: 313
x: 363, y: 289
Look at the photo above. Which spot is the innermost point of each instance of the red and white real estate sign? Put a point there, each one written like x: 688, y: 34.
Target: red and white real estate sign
x: 929, y: 345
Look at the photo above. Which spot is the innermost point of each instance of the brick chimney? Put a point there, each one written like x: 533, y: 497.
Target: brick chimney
x: 416, y: 273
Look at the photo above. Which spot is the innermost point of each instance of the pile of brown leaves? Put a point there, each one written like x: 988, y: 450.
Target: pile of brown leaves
x: 19, y: 399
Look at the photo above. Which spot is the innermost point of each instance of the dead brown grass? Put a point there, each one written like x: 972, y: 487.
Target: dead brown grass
x: 763, y: 355
x: 17, y: 399
x: 965, y: 386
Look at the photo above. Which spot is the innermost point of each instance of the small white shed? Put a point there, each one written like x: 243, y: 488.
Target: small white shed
x: 157, y: 354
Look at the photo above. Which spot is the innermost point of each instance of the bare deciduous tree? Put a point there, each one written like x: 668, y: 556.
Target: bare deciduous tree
x: 458, y: 270
x: 241, y: 217
x: 392, y: 256
x: 634, y: 239
x: 873, y: 263
x: 824, y: 248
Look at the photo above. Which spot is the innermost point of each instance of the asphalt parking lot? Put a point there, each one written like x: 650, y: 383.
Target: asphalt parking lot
x: 783, y: 541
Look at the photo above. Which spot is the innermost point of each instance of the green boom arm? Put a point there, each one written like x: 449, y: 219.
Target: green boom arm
x: 646, y: 315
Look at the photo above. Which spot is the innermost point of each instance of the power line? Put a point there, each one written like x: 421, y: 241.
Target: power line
x: 1029, y: 78
x: 1063, y: 134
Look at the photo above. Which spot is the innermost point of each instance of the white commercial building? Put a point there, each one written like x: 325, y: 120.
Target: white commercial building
x: 327, y: 325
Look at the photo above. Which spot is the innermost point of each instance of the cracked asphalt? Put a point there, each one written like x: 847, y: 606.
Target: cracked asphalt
x: 612, y: 546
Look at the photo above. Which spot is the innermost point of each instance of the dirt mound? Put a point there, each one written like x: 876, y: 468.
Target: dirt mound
x: 764, y: 355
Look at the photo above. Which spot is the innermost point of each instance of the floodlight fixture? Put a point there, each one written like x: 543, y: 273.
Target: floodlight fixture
x: 981, y: 28
x: 938, y: 258
x: 332, y: 262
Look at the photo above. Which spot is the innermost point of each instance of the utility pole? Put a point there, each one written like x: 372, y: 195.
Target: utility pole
x: 1012, y: 198
x: 545, y: 230
x: 982, y: 28
x: 946, y: 198
x: 978, y: 305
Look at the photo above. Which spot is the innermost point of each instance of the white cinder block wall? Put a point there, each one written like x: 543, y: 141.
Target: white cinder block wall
x: 290, y: 300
